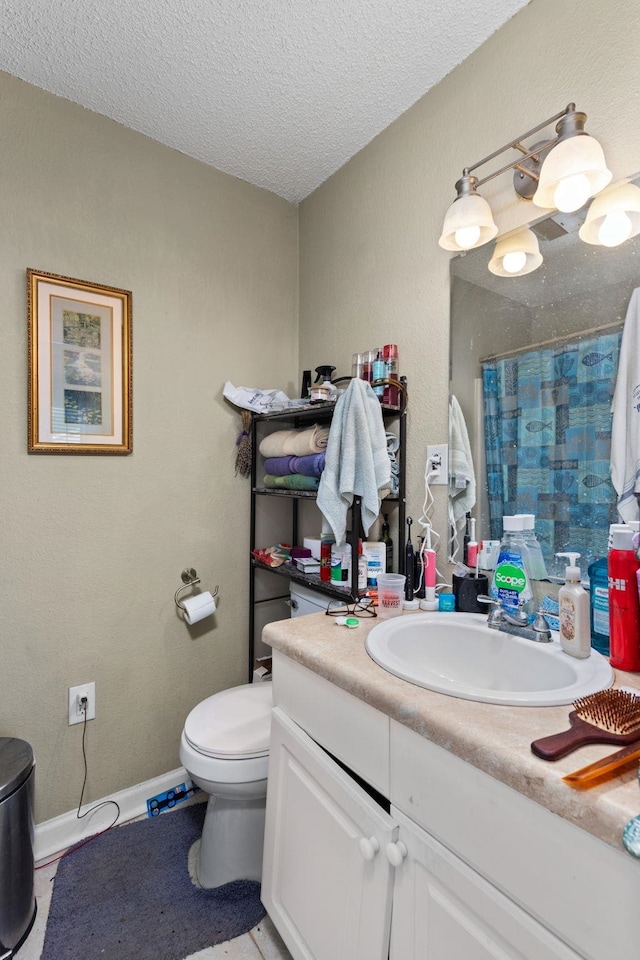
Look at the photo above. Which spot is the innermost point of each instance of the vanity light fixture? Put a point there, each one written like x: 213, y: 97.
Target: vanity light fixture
x: 613, y: 217
x: 515, y: 254
x: 562, y: 173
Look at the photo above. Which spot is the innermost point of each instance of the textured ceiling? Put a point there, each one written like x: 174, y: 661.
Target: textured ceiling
x: 280, y: 93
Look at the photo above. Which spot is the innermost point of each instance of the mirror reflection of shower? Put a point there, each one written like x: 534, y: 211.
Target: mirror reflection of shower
x: 550, y: 339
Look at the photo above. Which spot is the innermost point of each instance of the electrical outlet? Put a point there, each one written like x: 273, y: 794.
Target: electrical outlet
x: 76, y: 709
x: 438, y: 463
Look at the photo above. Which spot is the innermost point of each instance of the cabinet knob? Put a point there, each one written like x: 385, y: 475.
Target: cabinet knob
x: 369, y: 846
x: 396, y: 852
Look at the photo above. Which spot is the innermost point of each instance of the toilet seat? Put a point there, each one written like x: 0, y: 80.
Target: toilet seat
x: 234, y: 724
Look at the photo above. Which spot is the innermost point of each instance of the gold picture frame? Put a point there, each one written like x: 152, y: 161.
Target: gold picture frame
x: 80, y: 382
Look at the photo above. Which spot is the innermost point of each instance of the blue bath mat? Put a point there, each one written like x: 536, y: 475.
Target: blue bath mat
x: 127, y: 895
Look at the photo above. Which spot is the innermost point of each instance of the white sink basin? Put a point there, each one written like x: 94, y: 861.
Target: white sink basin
x: 457, y: 654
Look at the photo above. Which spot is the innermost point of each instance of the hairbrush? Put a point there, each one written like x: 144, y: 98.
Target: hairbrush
x: 609, y: 716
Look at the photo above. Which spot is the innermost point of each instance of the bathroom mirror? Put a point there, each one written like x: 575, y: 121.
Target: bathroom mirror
x: 554, y: 336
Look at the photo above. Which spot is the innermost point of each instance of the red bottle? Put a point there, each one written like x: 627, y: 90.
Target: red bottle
x: 624, y: 606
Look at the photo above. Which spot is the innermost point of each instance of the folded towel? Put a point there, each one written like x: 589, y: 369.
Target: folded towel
x: 310, y: 466
x: 625, y: 428
x: 357, y: 461
x: 293, y: 481
x: 294, y: 443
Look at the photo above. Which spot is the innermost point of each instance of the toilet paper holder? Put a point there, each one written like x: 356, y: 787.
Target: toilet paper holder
x: 189, y: 578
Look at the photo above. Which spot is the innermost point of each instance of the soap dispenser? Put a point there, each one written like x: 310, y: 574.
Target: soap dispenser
x: 573, y: 600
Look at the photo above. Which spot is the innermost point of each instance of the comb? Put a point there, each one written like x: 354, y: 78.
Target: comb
x: 605, y: 769
x: 609, y: 716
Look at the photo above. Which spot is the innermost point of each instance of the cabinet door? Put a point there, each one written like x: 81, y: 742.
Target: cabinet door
x: 444, y: 910
x: 326, y: 880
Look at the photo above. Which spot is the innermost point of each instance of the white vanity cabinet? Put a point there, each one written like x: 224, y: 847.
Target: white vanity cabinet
x: 444, y: 910
x: 326, y: 880
x: 480, y: 872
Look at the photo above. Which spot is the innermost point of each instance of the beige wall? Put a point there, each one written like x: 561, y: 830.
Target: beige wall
x: 92, y: 547
x: 371, y: 270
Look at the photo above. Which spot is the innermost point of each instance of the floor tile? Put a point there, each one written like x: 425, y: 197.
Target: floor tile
x: 242, y: 948
x: 269, y: 941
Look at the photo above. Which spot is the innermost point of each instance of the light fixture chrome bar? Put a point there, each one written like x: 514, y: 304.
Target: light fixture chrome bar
x: 517, y: 145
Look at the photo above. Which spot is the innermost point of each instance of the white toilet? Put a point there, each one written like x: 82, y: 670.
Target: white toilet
x: 225, y: 750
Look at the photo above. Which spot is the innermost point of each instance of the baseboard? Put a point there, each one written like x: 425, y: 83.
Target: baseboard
x: 54, y: 836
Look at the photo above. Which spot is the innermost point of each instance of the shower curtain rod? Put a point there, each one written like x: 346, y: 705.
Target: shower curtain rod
x: 548, y: 343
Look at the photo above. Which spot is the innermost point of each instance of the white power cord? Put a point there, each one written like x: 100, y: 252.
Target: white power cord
x: 431, y: 537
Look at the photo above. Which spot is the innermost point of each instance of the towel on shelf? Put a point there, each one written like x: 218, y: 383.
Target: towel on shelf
x: 294, y: 443
x: 357, y: 462
x: 625, y: 428
x: 310, y: 466
x: 461, y: 498
x: 293, y: 481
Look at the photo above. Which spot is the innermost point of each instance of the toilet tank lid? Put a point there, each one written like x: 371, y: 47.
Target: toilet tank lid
x: 233, y: 723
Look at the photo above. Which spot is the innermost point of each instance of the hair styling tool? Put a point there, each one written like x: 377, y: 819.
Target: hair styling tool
x: 609, y: 716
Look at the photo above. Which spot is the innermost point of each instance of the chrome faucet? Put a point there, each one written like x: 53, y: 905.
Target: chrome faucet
x: 500, y: 618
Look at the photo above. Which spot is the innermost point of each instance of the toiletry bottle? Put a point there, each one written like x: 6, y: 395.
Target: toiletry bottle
x: 511, y: 583
x: 599, y: 605
x: 362, y: 569
x: 391, y: 397
x: 378, y: 372
x: 375, y: 553
x: 385, y: 536
x: 624, y: 608
x: 573, y: 602
x: 326, y: 543
x: 356, y: 365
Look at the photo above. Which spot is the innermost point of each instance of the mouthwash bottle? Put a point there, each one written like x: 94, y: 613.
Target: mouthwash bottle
x: 511, y: 583
x: 599, y: 605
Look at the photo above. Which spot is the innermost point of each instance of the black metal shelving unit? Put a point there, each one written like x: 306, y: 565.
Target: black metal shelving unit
x: 320, y: 413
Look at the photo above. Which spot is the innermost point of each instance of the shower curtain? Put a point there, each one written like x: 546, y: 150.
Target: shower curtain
x: 547, y: 417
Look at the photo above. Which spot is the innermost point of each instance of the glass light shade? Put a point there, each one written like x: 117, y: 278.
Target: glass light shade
x: 572, y: 172
x: 468, y: 223
x: 613, y: 217
x: 516, y: 254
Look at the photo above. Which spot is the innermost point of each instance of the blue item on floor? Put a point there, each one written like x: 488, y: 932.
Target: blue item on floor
x: 127, y: 895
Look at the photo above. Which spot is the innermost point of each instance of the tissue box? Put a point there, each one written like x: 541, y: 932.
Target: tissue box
x: 313, y: 544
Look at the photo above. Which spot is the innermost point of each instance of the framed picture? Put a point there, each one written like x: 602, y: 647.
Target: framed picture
x: 79, y: 366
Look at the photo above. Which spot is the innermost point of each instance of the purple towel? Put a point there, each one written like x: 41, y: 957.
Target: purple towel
x: 311, y: 465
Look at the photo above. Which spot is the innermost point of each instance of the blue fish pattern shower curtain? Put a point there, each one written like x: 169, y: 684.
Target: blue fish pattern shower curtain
x: 547, y: 419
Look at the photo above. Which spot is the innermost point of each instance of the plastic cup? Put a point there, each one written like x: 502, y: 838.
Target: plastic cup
x: 390, y: 594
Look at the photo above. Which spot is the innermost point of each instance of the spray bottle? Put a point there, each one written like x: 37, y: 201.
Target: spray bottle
x: 624, y: 608
x: 573, y: 601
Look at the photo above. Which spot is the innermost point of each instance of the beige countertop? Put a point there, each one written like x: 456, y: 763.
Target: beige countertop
x: 495, y: 739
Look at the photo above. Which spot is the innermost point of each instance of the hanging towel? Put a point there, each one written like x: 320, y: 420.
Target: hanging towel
x: 294, y: 443
x: 625, y: 428
x: 462, y: 493
x: 310, y: 466
x: 357, y: 461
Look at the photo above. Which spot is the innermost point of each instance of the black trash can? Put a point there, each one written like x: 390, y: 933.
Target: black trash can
x: 17, y: 900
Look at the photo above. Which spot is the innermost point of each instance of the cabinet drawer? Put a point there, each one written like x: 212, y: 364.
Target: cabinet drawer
x: 534, y: 856
x: 351, y: 730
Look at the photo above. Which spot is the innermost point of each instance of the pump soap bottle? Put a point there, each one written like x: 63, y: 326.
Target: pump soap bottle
x: 573, y: 600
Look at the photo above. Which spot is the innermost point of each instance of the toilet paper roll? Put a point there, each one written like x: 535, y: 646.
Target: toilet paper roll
x: 198, y: 607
